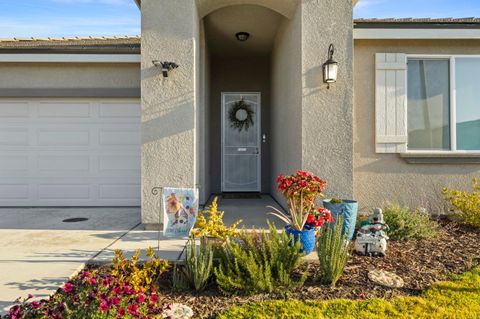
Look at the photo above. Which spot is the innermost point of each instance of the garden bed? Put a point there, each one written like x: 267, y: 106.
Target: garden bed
x: 418, y: 262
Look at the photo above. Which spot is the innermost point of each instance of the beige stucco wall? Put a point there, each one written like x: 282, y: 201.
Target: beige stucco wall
x: 327, y: 114
x: 170, y: 32
x: 69, y: 75
x: 203, y: 118
x: 379, y: 178
x: 286, y: 115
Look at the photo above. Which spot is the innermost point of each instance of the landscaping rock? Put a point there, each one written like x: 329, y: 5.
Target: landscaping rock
x: 385, y: 278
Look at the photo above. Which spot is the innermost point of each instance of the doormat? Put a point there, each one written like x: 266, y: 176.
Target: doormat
x: 241, y: 196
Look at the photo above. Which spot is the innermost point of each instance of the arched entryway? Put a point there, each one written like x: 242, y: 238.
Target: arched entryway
x: 264, y: 70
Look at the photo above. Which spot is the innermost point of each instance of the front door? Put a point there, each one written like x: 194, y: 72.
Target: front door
x: 241, y: 171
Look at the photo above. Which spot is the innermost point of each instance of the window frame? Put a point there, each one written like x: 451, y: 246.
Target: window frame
x: 453, y: 101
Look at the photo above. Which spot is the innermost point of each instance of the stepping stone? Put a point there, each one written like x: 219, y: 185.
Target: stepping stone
x: 385, y: 278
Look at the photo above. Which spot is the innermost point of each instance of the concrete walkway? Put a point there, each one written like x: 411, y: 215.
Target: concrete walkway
x: 39, y: 252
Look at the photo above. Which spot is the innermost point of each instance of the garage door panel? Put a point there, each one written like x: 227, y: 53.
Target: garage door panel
x: 64, y: 163
x: 118, y: 163
x: 64, y: 110
x: 14, y: 136
x: 114, y: 110
x: 64, y: 191
x: 14, y: 109
x: 115, y: 191
x: 13, y: 163
x: 70, y: 152
x: 119, y: 137
x: 14, y: 191
x: 63, y: 137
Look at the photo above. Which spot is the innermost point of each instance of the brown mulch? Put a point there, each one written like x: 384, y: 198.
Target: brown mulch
x: 418, y: 262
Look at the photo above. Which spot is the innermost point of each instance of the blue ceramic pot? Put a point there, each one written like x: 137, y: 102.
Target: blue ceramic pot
x: 306, y: 237
x: 349, y: 210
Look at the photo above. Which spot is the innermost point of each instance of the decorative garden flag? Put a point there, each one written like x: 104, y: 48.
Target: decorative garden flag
x: 180, y: 206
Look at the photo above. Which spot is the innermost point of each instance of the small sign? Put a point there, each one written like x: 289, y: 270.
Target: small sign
x: 180, y: 207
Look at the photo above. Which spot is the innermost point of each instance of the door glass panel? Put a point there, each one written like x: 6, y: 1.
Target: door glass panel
x: 428, y: 104
x: 468, y: 103
x: 241, y: 149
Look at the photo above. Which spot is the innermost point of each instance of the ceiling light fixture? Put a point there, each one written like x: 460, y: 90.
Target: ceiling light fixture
x: 242, y: 36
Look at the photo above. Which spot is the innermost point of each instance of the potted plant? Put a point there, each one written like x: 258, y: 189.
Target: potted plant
x: 301, y: 191
x: 348, y: 209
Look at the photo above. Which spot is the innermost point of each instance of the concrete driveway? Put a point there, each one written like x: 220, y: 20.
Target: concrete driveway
x: 39, y: 252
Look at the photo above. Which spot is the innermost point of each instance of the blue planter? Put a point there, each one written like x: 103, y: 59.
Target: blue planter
x: 349, y: 210
x: 306, y: 237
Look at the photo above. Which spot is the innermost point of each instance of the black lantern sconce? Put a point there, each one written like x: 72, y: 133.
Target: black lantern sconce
x: 166, y: 66
x: 330, y: 68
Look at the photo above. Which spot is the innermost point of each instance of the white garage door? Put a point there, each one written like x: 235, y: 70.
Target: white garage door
x: 69, y: 152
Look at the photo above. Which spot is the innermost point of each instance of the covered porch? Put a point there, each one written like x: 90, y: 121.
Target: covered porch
x: 268, y: 54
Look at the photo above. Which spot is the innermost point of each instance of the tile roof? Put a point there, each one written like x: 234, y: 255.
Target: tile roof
x: 419, y: 20
x: 115, y: 44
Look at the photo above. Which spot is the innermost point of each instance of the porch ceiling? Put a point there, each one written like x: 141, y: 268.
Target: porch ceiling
x: 222, y: 25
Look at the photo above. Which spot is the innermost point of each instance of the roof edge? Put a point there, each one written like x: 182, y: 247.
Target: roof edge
x: 139, y: 3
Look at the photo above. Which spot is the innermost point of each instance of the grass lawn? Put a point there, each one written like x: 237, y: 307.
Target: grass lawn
x: 459, y: 298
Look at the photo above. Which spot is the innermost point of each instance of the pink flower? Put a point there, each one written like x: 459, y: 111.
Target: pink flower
x: 92, y: 281
x: 105, y: 282
x: 141, y: 298
x: 117, y: 291
x: 68, y: 287
x: 153, y: 298
x: 35, y: 304
x: 132, y: 309
x: 121, y: 312
x: 30, y: 296
x: 104, y: 306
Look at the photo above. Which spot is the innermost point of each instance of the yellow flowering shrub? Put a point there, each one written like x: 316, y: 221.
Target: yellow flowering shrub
x: 141, y: 277
x: 467, y: 205
x: 214, y: 226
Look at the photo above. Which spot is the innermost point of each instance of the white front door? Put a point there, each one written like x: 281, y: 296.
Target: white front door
x: 241, y: 151
x: 69, y: 152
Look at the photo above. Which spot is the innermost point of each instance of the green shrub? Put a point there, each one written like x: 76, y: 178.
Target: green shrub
x: 467, y: 205
x: 444, y: 300
x: 406, y: 225
x: 197, y: 269
x: 333, y: 249
x: 259, y: 263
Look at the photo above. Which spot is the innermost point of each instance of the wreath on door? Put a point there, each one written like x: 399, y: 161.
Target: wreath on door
x: 240, y: 115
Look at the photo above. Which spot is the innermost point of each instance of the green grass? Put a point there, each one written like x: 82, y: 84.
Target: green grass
x: 459, y: 298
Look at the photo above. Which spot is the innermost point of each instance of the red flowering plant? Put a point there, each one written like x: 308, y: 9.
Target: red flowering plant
x: 301, y: 191
x: 318, y: 217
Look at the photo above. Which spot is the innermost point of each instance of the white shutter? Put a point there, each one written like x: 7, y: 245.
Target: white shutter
x: 390, y: 103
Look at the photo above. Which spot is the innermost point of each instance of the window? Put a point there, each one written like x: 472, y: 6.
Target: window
x: 443, y: 103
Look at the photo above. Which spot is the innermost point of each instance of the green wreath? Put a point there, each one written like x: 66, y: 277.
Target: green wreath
x: 238, y: 123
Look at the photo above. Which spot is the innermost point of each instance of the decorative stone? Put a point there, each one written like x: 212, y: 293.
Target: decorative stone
x: 385, y: 278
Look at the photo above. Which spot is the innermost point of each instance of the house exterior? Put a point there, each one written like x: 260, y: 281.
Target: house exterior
x: 95, y: 121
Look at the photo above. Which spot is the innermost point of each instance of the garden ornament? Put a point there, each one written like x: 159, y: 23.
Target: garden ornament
x: 372, y: 238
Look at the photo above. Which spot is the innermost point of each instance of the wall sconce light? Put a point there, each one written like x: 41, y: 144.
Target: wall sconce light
x: 330, y: 68
x: 242, y: 36
x: 166, y: 66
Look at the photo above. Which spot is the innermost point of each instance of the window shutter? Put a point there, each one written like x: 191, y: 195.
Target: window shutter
x: 390, y: 103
